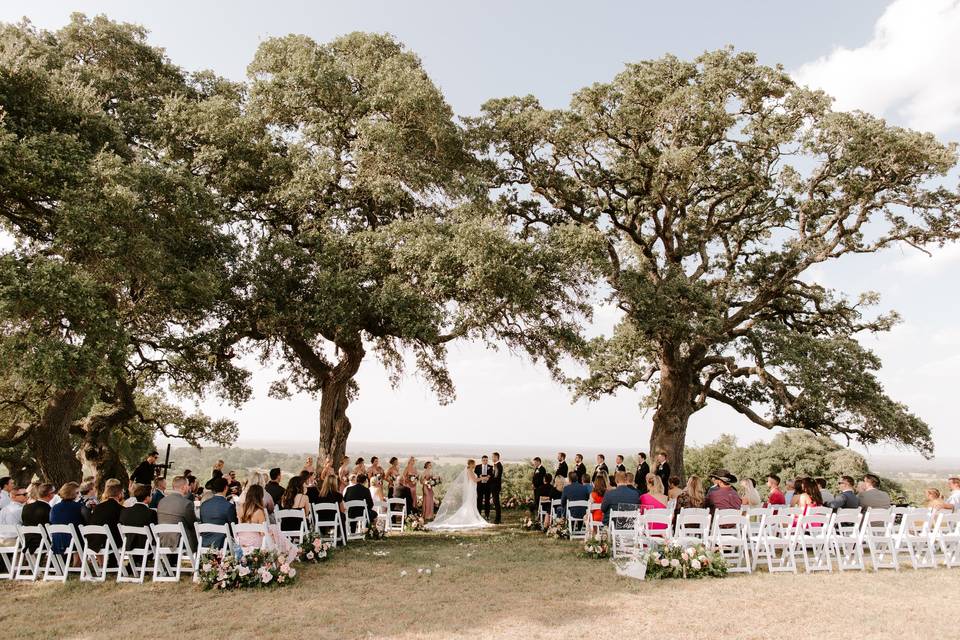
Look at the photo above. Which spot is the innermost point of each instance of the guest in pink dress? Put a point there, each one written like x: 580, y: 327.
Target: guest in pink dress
x: 252, y: 511
x: 654, y: 498
x: 427, y: 479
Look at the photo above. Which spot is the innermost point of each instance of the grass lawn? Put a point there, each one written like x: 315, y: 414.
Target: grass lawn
x: 505, y: 583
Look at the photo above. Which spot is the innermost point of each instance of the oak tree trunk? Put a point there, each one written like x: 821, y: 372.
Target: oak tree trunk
x: 334, y: 400
x: 102, y: 461
x: 50, y: 440
x: 674, y: 408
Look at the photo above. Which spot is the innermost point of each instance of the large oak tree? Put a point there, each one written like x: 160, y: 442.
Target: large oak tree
x: 718, y: 184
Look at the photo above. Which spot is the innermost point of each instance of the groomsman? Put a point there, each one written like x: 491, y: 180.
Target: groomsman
x: 640, y: 478
x: 601, y: 466
x: 496, y: 483
x: 539, y: 472
x: 619, y: 468
x: 580, y: 468
x: 663, y: 469
x: 484, y: 473
x: 561, y: 465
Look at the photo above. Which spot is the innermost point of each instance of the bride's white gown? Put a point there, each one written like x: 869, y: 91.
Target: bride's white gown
x: 458, y: 511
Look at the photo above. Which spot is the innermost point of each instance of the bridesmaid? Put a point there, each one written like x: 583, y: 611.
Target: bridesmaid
x: 390, y: 478
x: 426, y: 479
x: 409, y: 480
x: 344, y: 473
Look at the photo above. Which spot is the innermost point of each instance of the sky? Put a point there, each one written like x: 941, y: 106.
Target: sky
x: 894, y: 59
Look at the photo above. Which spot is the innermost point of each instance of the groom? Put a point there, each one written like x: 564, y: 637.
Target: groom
x: 496, y: 483
x: 484, y: 472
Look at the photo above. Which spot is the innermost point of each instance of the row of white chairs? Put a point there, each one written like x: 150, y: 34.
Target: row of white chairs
x: 820, y: 538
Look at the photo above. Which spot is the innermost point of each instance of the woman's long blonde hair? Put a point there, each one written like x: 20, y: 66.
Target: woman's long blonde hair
x: 654, y: 484
x: 695, y: 490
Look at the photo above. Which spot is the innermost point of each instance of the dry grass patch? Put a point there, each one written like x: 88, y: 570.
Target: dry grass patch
x: 498, y: 584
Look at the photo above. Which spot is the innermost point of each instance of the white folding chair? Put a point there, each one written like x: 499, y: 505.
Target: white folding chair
x: 915, y: 535
x: 396, y: 514
x: 295, y: 536
x: 813, y: 536
x: 260, y: 528
x: 95, y: 564
x: 692, y: 527
x: 8, y: 551
x: 133, y: 559
x: 729, y: 537
x: 172, y: 550
x: 776, y: 543
x: 357, y: 525
x: 30, y: 561
x: 556, y: 508
x: 58, y: 567
x: 577, y: 527
x: 946, y: 535
x: 382, y: 509
x: 543, y: 511
x: 847, y: 539
x: 755, y: 520
x: 327, y: 516
x: 593, y: 526
x: 624, y: 531
x: 656, y: 527
x: 878, y: 533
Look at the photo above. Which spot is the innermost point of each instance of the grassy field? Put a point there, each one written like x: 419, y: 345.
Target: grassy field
x: 501, y: 584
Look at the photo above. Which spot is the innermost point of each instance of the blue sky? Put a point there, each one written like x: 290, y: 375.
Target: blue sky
x: 897, y: 60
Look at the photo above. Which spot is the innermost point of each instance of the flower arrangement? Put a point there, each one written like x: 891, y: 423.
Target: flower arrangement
x: 414, y: 523
x: 558, y: 530
x: 675, y: 561
x: 374, y: 533
x: 531, y: 524
x: 255, y: 569
x: 596, y: 547
x: 313, y: 549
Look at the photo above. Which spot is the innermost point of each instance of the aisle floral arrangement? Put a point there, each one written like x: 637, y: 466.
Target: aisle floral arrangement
x: 414, y: 523
x: 313, y: 549
x: 531, y: 524
x: 374, y: 533
x: 558, y: 530
x: 252, y: 570
x: 676, y: 561
x: 596, y: 547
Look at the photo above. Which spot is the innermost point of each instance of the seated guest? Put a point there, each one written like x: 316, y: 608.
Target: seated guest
x: 159, y: 490
x: 177, y: 508
x: 654, y: 498
x: 936, y: 503
x: 810, y: 494
x: 623, y: 494
x: 597, y: 491
x: 775, y: 498
x: 574, y: 492
x: 88, y: 496
x: 675, y: 490
x: 233, y: 485
x: 788, y: 495
x: 6, y: 489
x: 68, y: 511
x: 37, y: 513
x: 871, y: 496
x: 11, y: 513
x: 328, y: 494
x: 724, y: 496
x: 138, y: 515
x: 310, y: 485
x: 544, y: 495
x: 749, y: 496
x: 360, y: 491
x: 797, y: 492
x: 256, y: 479
x: 847, y: 498
x: 217, y: 510
x: 954, y: 497
x: 107, y: 514
x: 252, y: 511
x: 131, y: 489
x: 825, y: 494
x: 217, y: 473
x: 692, y: 495
x: 294, y: 497
x: 273, y: 488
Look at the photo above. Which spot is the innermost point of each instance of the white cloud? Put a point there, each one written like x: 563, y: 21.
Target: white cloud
x: 919, y: 263
x: 907, y: 71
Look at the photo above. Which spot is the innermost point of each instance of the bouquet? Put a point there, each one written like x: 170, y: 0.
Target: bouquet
x: 596, y: 547
x: 255, y: 569
x: 558, y: 530
x: 433, y: 482
x: 531, y: 524
x: 374, y: 533
x: 313, y: 549
x: 414, y: 523
x: 675, y: 561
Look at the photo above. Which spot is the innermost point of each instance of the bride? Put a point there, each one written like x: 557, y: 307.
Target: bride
x: 458, y: 511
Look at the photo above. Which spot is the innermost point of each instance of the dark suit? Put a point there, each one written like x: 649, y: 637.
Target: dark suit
x: 138, y: 515
x: 574, y: 491
x: 33, y: 514
x: 106, y: 514
x: 483, y: 488
x: 581, y: 470
x: 562, y: 469
x: 216, y: 510
x: 144, y: 473
x: 174, y: 509
x: 596, y: 471
x: 496, y: 484
x: 538, y: 475
x: 359, y: 492
x: 640, y: 477
x: 663, y: 472
x: 275, y: 491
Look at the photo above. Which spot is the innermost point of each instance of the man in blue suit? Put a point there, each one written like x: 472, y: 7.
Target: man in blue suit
x: 623, y: 494
x: 217, y: 510
x: 574, y: 491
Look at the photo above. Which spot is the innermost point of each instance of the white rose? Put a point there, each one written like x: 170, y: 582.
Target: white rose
x: 684, y: 556
x: 691, y: 551
x: 664, y: 563
x: 695, y: 565
x: 674, y: 563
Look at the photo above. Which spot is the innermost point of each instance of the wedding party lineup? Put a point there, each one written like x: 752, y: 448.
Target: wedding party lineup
x: 482, y: 321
